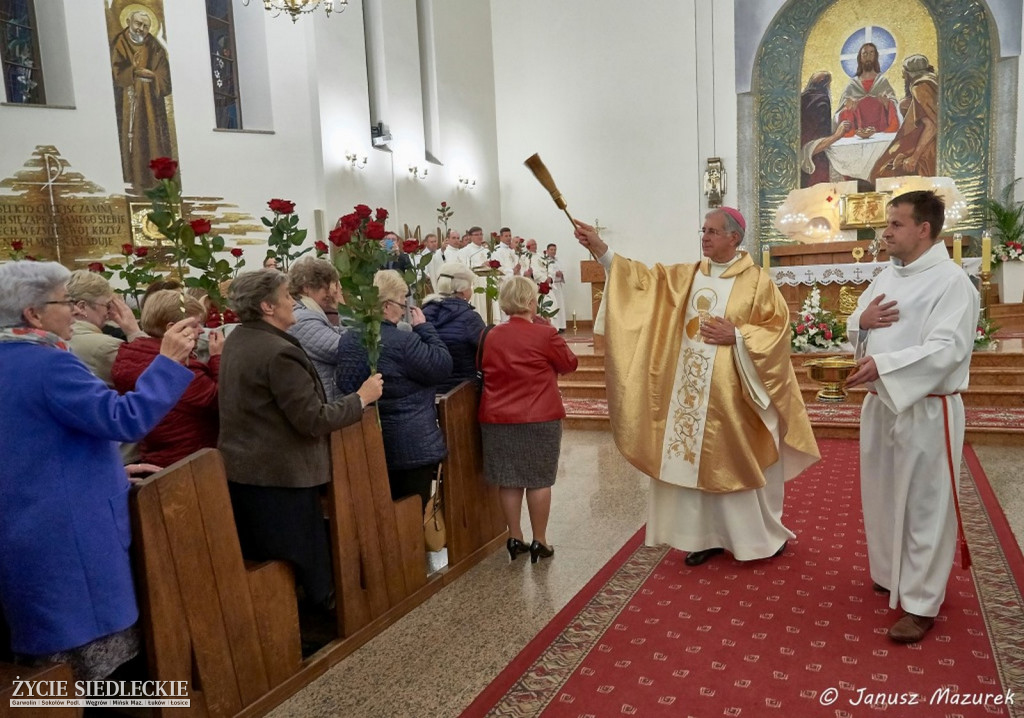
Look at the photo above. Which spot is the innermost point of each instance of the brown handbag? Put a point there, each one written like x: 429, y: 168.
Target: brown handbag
x: 434, y: 535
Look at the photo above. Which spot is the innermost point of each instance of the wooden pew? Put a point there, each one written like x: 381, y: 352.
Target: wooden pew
x: 232, y: 631
x: 472, y: 513
x: 377, y: 544
x: 50, y: 672
x: 242, y: 648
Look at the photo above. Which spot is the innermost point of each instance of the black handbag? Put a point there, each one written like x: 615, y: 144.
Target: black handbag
x: 480, y: 355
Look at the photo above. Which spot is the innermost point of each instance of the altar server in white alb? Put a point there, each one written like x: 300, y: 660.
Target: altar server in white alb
x: 913, y: 333
x: 546, y: 269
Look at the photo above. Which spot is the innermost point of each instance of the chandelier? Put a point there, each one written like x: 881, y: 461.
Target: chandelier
x: 300, y: 7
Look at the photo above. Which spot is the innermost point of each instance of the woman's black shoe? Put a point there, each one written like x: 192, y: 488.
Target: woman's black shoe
x: 539, y: 550
x: 515, y: 547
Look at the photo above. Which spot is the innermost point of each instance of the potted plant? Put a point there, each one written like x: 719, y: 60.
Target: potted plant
x: 1007, y: 223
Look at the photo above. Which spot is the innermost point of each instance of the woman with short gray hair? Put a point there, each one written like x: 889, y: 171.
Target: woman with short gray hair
x: 456, y: 322
x: 274, y: 424
x: 65, y: 575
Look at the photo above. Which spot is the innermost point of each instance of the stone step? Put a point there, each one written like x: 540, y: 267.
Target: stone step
x: 589, y: 373
x: 582, y: 389
x: 587, y: 423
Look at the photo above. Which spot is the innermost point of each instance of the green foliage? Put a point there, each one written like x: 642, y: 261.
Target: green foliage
x: 1007, y: 221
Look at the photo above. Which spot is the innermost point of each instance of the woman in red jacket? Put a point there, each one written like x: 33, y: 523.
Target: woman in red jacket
x: 521, y: 408
x: 193, y: 423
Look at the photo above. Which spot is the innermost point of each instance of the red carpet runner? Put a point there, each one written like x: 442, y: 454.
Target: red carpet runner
x: 801, y: 635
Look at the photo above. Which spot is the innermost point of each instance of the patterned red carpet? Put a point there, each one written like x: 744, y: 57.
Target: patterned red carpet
x: 840, y: 414
x: 797, y: 636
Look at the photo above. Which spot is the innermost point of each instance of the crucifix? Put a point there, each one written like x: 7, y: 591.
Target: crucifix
x: 810, y: 276
x: 597, y: 226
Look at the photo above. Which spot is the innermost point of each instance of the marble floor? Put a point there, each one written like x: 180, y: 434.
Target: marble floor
x: 436, y: 659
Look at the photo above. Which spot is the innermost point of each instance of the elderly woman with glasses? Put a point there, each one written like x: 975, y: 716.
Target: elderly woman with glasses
x: 65, y: 575
x: 413, y: 364
x: 194, y: 421
x: 455, y: 320
x: 274, y: 427
x: 94, y: 305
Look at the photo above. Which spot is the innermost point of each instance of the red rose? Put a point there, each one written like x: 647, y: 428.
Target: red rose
x: 163, y: 168
x: 410, y: 245
x: 200, y: 226
x: 493, y: 263
x: 375, y: 230
x: 95, y: 266
x: 382, y: 214
x: 350, y: 222
x: 230, y: 317
x: 544, y: 287
x: 362, y: 211
x: 340, y: 236
x: 494, y: 235
x: 141, y: 252
x: 800, y: 328
x: 828, y: 334
x: 236, y: 251
x: 443, y: 205
x: 127, y: 249
x: 823, y: 325
x: 17, y: 245
x: 281, y: 206
x: 321, y: 247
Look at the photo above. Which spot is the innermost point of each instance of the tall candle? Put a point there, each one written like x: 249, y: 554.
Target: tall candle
x: 958, y: 248
x: 986, y: 252
x: 766, y: 259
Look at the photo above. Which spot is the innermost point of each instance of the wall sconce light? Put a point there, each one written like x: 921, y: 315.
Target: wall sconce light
x: 714, y: 181
x: 466, y: 182
x: 357, y: 161
x: 418, y: 172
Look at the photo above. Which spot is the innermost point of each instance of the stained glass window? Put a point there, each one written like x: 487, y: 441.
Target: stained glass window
x: 224, y: 64
x: 19, y: 50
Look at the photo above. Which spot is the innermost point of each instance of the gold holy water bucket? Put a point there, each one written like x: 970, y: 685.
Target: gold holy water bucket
x: 831, y: 373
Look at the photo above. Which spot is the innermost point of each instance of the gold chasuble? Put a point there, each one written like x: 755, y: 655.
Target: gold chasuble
x: 645, y: 316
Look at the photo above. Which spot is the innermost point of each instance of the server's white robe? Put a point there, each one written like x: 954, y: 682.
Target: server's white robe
x: 923, y: 363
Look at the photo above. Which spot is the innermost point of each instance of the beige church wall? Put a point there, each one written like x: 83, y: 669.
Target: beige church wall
x: 464, y: 141
x: 316, y: 112
x: 624, y: 106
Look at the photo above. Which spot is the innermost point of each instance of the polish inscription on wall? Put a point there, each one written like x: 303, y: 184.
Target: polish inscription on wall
x: 59, y: 215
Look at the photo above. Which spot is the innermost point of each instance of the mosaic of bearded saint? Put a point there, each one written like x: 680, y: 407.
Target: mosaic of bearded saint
x: 142, y: 81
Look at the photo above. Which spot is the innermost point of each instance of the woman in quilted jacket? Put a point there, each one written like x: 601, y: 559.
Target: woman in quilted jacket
x: 455, y: 320
x: 193, y: 422
x: 413, y: 364
x: 314, y: 285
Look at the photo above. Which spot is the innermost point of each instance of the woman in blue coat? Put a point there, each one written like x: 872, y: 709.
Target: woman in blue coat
x: 65, y: 576
x: 456, y: 322
x: 412, y: 364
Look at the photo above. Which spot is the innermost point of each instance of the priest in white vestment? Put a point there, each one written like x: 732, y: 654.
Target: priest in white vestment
x: 702, y: 394
x: 475, y: 255
x: 913, y: 334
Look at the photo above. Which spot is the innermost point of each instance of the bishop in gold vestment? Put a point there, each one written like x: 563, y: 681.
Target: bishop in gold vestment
x: 702, y: 394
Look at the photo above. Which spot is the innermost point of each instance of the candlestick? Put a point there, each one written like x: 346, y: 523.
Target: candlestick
x: 574, y: 321
x: 766, y: 259
x: 986, y: 252
x: 958, y: 248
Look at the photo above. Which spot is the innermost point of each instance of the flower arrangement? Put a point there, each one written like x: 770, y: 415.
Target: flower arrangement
x: 984, y: 335
x: 285, y: 234
x: 137, y: 273
x: 1007, y: 219
x: 358, y: 257
x: 815, y: 328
